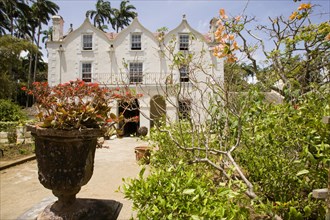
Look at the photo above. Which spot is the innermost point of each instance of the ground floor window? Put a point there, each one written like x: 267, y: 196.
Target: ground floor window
x: 184, y: 109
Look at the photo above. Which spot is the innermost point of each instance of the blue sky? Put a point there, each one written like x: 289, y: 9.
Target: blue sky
x: 158, y: 13
x: 154, y: 14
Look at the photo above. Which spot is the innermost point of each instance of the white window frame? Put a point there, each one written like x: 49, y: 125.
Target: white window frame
x: 184, y: 73
x: 87, y: 42
x: 135, y: 72
x: 136, y: 41
x: 87, y: 72
x: 184, y: 41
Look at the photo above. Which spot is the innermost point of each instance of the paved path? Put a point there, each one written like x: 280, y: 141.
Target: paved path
x: 20, y: 189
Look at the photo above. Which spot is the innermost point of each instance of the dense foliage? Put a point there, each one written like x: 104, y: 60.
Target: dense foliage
x: 177, y: 191
x: 10, y: 112
x: 285, y: 150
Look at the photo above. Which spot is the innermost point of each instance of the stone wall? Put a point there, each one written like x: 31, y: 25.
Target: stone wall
x: 19, y: 135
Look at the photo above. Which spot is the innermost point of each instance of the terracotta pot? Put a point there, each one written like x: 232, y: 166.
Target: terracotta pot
x: 65, y: 163
x: 142, y: 153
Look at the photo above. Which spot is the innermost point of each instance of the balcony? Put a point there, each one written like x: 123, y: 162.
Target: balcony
x: 146, y: 78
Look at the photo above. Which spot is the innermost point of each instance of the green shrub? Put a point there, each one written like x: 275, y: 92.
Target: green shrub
x: 179, y: 192
x: 10, y: 111
x: 285, y: 149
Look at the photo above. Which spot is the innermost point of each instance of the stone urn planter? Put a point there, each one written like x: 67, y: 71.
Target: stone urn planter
x: 72, y: 116
x: 65, y: 163
x: 142, y: 153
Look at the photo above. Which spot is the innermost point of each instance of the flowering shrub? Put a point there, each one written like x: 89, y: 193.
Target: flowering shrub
x: 303, y: 11
x: 76, y: 104
x: 225, y: 37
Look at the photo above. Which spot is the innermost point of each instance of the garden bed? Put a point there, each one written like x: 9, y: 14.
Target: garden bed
x: 15, y: 151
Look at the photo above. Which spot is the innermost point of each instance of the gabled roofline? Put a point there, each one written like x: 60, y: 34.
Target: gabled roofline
x: 86, y: 22
x: 135, y: 20
x: 184, y: 23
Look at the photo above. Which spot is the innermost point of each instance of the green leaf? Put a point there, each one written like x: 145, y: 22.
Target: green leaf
x: 195, y: 217
x: 188, y: 191
x: 302, y: 172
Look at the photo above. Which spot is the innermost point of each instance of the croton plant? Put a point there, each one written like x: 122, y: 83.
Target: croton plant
x: 78, y: 105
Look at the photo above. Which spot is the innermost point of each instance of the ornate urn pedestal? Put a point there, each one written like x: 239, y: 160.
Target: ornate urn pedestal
x: 65, y: 163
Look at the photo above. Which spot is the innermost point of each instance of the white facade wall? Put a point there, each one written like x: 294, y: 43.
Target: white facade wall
x: 110, y: 58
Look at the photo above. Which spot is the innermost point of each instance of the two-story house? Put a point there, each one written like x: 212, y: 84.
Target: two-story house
x: 147, y: 62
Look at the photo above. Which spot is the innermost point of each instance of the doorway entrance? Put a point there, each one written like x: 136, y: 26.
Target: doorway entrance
x: 129, y: 110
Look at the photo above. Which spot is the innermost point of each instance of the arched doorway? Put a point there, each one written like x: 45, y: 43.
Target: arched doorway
x: 129, y: 110
x: 157, y: 109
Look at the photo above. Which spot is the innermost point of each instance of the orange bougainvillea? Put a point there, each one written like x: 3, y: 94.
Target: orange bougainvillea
x: 305, y: 6
x: 225, y: 39
x: 327, y: 38
x: 302, y: 9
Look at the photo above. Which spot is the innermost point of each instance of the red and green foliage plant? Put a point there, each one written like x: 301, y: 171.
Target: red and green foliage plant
x: 77, y: 105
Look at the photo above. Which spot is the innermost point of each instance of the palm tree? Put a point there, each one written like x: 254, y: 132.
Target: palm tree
x: 123, y: 15
x: 11, y: 11
x: 101, y: 15
x: 4, y: 20
x: 47, y: 35
x: 42, y: 10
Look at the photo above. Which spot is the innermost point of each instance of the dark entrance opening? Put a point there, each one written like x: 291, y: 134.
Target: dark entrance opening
x: 129, y: 110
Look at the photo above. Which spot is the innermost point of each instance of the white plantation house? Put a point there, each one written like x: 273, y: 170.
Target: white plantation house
x: 137, y: 58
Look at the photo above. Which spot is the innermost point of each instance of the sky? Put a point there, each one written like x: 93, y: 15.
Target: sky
x: 154, y: 14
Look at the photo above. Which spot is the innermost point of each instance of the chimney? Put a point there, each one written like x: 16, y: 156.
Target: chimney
x: 57, y: 28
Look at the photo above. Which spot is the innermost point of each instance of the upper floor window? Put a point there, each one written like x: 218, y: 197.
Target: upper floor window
x: 136, y: 41
x: 184, y: 73
x: 135, y: 72
x: 87, y: 42
x: 184, y: 41
x: 86, y: 72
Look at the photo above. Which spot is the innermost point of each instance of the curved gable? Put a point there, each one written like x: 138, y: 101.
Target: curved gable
x: 132, y: 27
x: 184, y: 27
x: 86, y: 27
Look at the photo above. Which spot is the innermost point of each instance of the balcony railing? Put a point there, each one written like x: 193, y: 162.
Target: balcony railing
x: 147, y: 78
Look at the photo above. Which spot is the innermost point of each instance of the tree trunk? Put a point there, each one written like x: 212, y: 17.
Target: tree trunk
x: 36, y: 55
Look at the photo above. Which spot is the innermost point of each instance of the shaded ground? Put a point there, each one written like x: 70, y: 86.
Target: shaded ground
x: 20, y: 188
x: 15, y: 151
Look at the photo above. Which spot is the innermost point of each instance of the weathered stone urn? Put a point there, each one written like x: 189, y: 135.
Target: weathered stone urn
x: 65, y: 163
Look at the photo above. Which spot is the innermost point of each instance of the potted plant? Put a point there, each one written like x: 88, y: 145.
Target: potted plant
x: 71, y: 117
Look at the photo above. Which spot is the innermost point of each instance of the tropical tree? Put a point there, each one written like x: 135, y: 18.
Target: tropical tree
x: 11, y: 12
x: 4, y: 24
x: 11, y: 68
x: 47, y: 35
x: 123, y: 15
x: 101, y: 14
x: 297, y: 57
x: 42, y: 10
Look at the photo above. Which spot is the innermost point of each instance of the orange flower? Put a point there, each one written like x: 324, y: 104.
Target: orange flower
x: 223, y: 14
x: 293, y: 16
x: 327, y: 38
x: 235, y: 45
x: 305, y: 6
x: 231, y: 37
x: 238, y: 18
